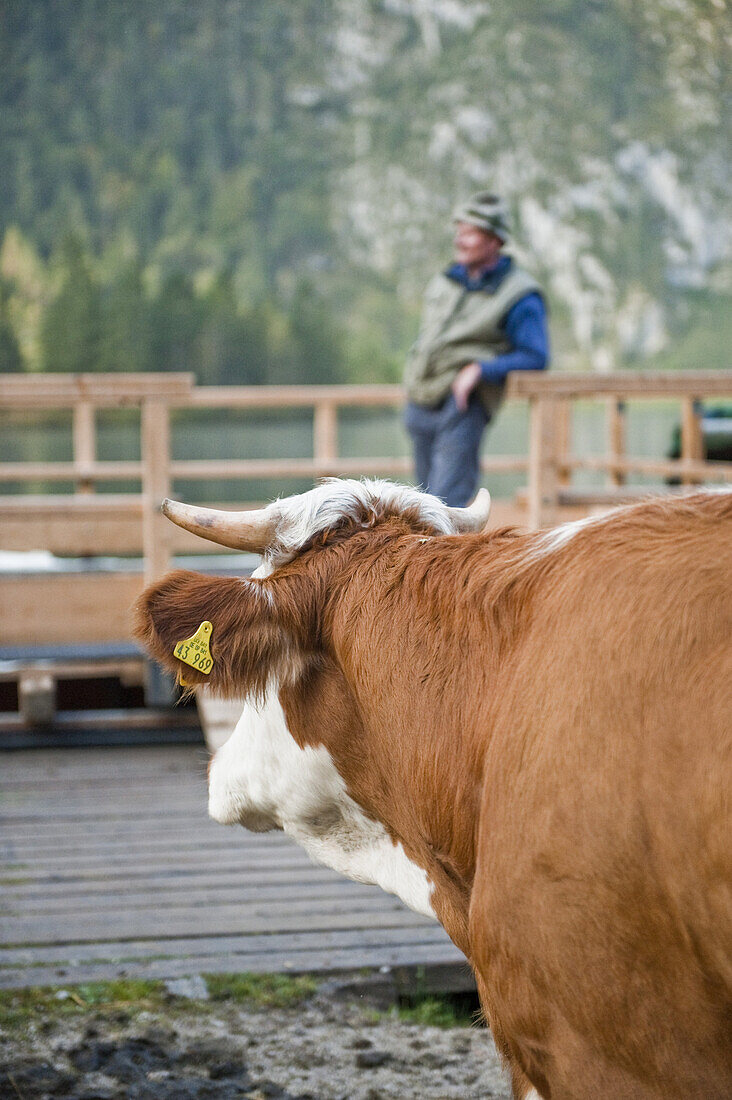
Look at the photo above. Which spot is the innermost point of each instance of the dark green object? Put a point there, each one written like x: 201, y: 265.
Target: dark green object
x: 716, y: 425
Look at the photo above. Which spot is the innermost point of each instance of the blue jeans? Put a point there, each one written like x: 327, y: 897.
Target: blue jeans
x: 447, y: 448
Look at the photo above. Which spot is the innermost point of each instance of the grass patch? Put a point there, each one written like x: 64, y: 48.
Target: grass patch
x: 447, y: 1010
x: 21, y: 1007
x: 262, y: 990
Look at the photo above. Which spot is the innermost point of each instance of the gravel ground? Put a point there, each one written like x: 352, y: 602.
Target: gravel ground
x: 323, y: 1049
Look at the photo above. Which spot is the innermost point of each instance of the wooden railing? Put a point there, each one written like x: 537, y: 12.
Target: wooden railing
x: 551, y: 463
x: 93, y: 523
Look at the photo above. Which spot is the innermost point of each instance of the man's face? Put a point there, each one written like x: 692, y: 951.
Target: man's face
x: 475, y: 247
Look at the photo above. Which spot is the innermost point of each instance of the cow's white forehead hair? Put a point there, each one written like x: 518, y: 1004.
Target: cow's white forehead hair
x: 302, y: 517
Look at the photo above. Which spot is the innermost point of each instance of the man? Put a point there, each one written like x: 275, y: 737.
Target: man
x: 482, y: 318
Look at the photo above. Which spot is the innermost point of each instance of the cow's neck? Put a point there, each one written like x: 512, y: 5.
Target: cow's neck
x: 424, y: 696
x: 321, y: 710
x: 402, y: 701
x: 427, y: 793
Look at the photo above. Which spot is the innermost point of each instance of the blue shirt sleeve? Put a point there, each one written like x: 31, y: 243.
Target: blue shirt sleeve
x: 526, y: 330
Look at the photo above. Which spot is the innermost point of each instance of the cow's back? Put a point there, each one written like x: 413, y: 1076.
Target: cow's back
x: 601, y: 915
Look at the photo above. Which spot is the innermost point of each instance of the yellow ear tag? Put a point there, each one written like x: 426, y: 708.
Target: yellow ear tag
x: 194, y: 651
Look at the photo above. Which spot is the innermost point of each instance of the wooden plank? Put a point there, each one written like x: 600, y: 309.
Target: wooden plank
x: 84, y: 442
x: 81, y: 811
x: 222, y: 852
x: 290, y: 397
x: 692, y: 442
x: 294, y: 962
x: 98, y: 865
x: 19, y: 810
x: 156, y: 893
x: 52, y: 391
x: 82, y: 784
x: 320, y: 466
x: 325, y: 431
x: 109, y: 523
x: 83, y: 881
x: 220, y: 842
x: 701, y: 471
x: 239, y: 864
x: 159, y: 899
x: 36, y: 697
x: 70, y: 471
x: 218, y: 717
x: 244, y: 916
x: 48, y: 889
x: 425, y: 933
x: 155, y: 443
x: 620, y: 384
x: 563, y: 415
x: 213, y: 839
x: 306, y: 467
x: 176, y: 761
x: 105, y: 523
x: 140, y: 856
x: 35, y: 791
x: 93, y: 607
x: 86, y: 726
x: 616, y: 437
x: 129, y: 671
x: 543, y: 469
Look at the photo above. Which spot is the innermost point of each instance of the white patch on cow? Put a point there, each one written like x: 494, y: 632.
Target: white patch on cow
x: 560, y: 536
x: 533, y: 1095
x: 303, y: 517
x: 262, y: 779
x: 258, y: 590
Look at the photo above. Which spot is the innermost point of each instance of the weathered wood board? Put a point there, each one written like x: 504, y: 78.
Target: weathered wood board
x: 218, y: 717
x: 110, y: 867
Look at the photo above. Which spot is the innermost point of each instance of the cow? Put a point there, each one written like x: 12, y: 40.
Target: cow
x: 527, y: 736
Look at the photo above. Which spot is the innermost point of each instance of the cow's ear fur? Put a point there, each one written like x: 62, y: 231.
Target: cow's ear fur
x: 251, y: 643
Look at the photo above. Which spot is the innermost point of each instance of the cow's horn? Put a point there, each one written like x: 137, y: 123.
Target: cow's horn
x: 475, y: 516
x: 253, y: 531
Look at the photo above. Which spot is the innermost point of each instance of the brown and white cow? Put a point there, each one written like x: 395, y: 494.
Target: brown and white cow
x: 528, y: 736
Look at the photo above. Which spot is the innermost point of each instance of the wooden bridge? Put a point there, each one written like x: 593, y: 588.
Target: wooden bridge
x: 110, y: 868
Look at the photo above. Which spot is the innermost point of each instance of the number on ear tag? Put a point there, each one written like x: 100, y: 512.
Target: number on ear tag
x: 195, y: 651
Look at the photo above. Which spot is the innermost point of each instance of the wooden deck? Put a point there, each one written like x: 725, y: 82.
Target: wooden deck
x: 109, y: 867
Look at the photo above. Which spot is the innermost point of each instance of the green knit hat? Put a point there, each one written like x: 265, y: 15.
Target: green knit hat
x: 485, y: 210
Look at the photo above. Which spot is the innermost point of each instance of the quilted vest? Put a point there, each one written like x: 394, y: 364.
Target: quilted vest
x: 459, y: 326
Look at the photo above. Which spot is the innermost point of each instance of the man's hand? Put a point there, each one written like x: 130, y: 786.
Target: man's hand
x: 464, y: 384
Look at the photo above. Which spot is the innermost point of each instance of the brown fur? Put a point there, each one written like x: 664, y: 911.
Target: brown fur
x: 550, y: 736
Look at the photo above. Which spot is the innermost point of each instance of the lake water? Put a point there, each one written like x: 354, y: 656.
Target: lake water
x: 289, y: 434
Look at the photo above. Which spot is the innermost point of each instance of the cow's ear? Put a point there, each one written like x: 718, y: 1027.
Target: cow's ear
x: 245, y: 647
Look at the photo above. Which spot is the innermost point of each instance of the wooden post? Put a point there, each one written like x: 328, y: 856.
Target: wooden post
x: 543, y: 481
x: 616, y: 434
x: 36, y: 697
x: 84, y: 441
x: 155, y: 447
x: 692, y: 443
x: 325, y: 432
x: 564, y: 434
